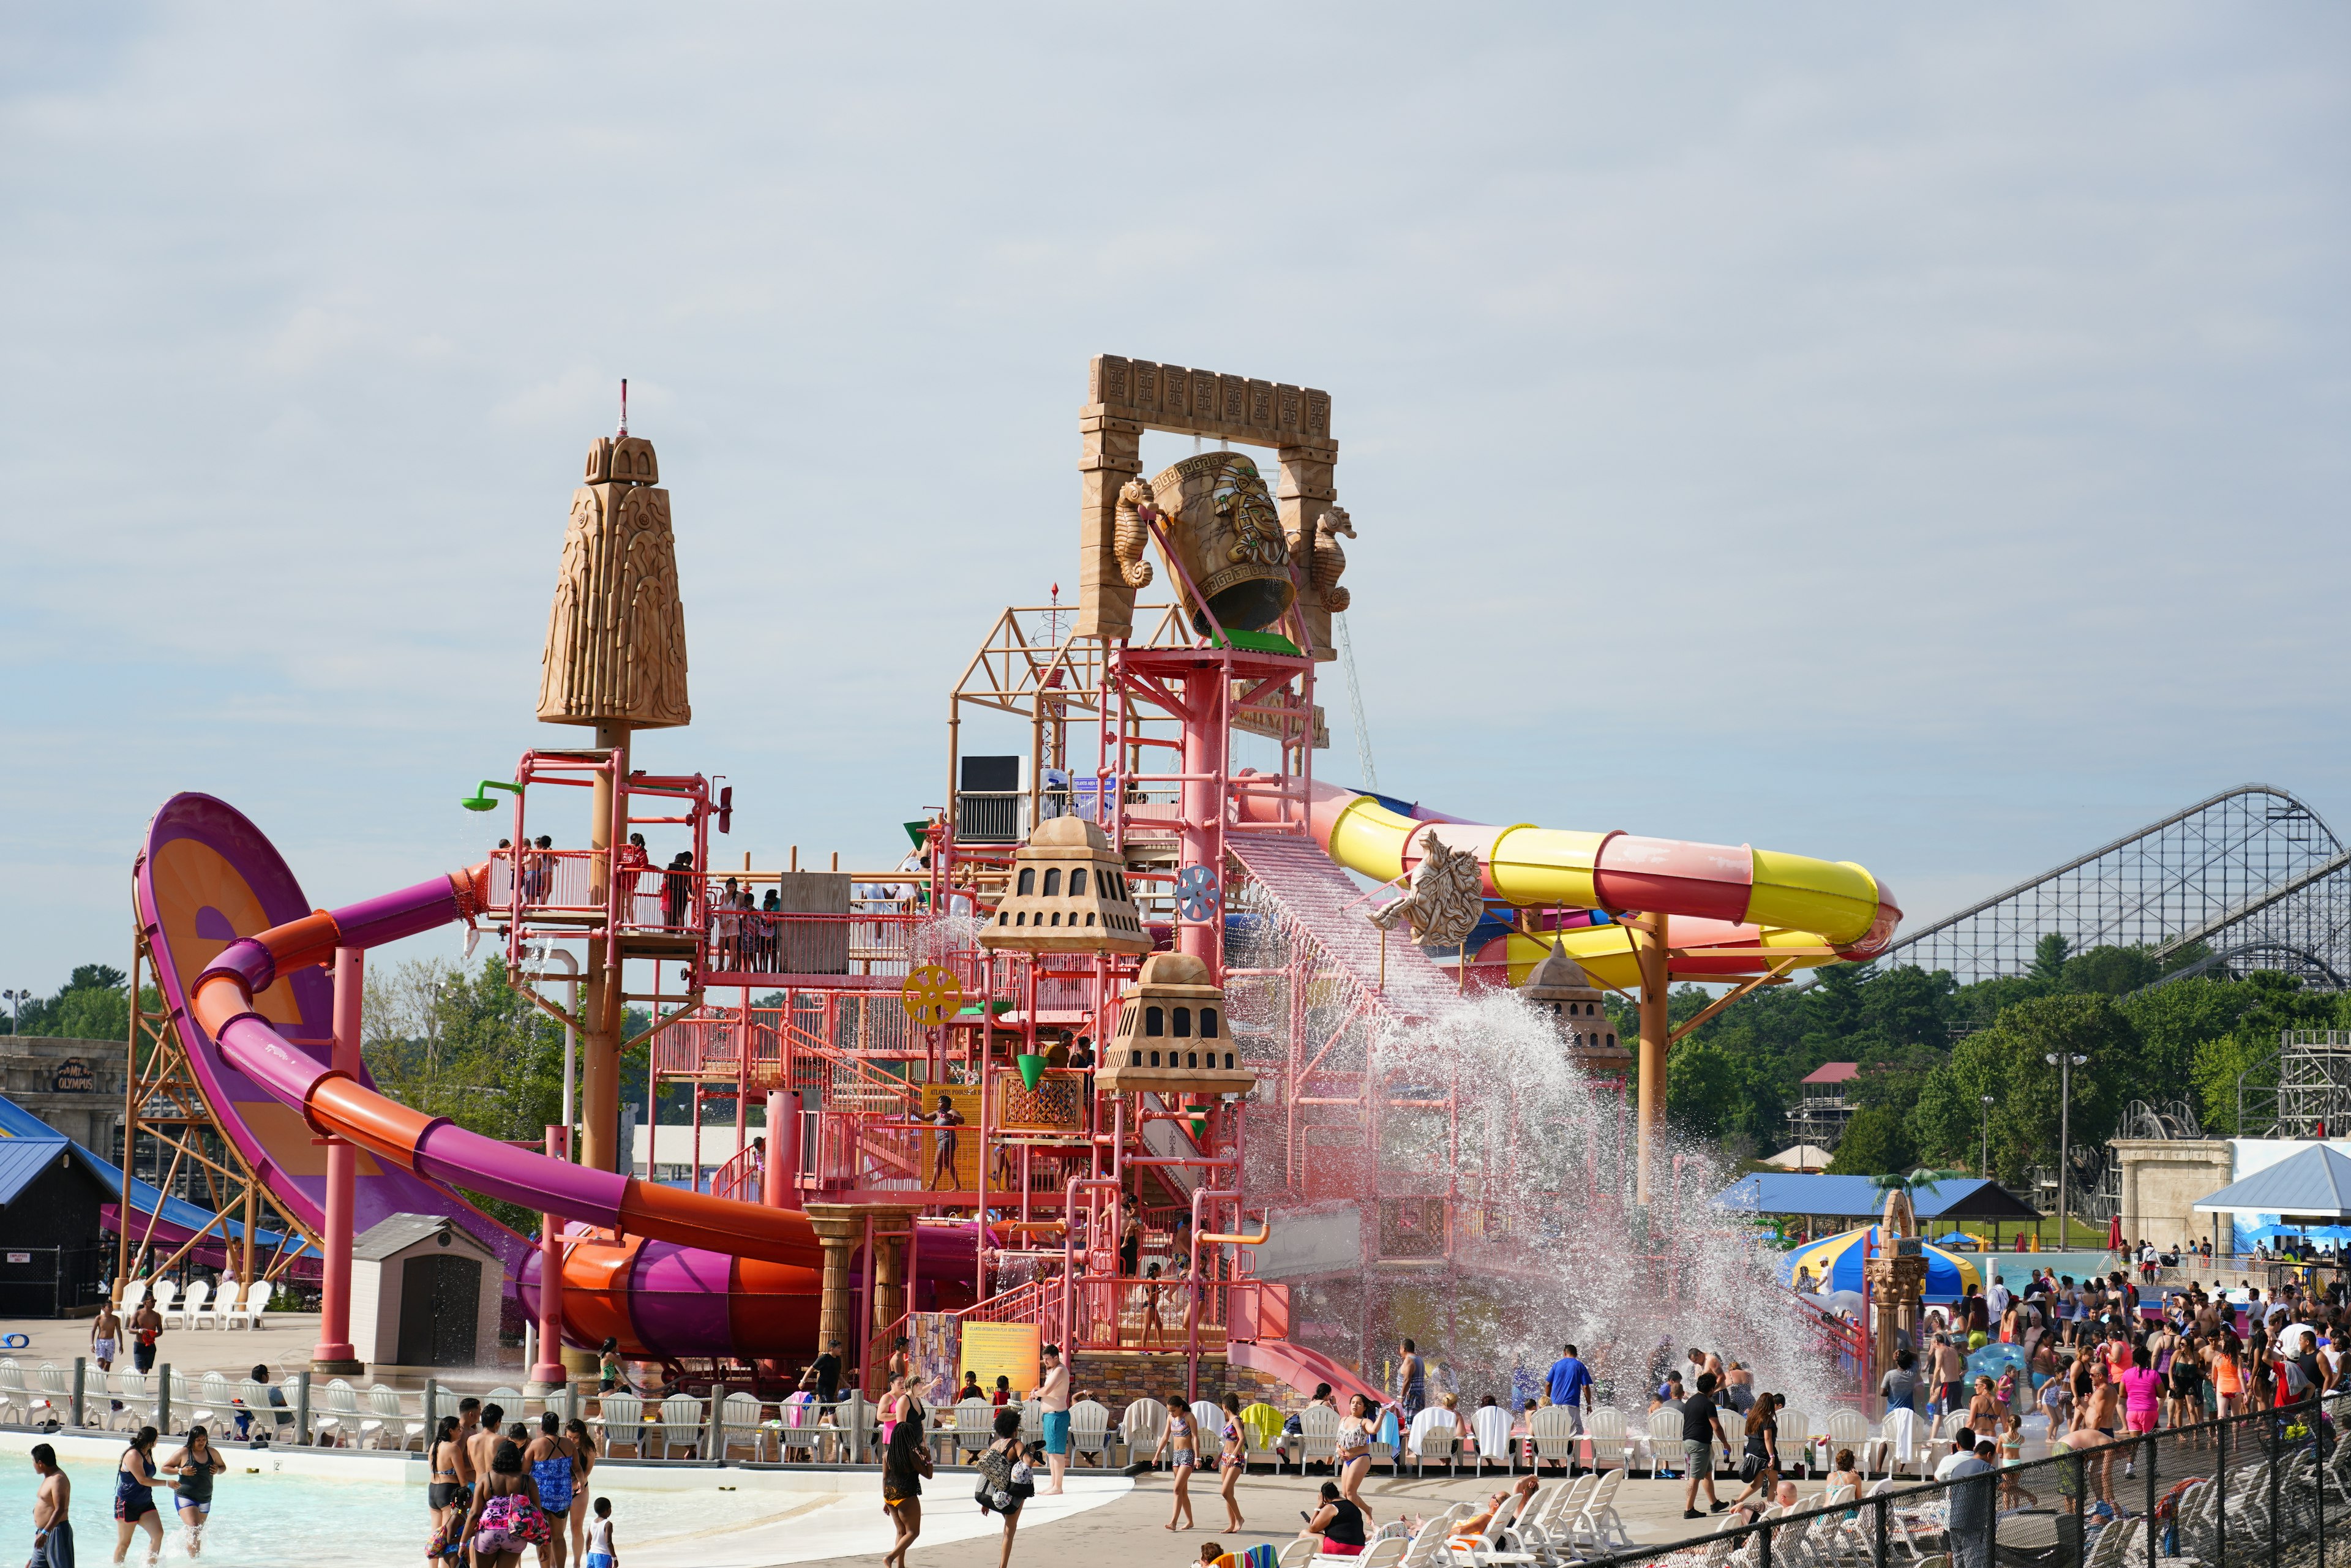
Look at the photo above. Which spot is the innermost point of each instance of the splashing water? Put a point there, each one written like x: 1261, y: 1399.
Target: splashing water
x: 1534, y: 1163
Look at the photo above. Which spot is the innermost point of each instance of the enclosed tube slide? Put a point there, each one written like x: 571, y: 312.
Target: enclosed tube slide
x: 666, y: 1272
x: 1730, y: 906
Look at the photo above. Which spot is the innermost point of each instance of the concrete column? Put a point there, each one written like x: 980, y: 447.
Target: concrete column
x: 548, y: 1374
x: 333, y: 1354
x: 889, y: 1270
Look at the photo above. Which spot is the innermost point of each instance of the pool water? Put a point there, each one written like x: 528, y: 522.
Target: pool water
x: 301, y: 1520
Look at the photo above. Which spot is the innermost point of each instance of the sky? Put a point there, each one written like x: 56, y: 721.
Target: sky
x: 1900, y: 435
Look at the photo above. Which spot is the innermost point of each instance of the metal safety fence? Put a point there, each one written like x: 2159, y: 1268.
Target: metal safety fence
x: 2272, y: 1488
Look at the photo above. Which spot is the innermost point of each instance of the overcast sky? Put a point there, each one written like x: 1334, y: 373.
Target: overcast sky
x: 1911, y: 435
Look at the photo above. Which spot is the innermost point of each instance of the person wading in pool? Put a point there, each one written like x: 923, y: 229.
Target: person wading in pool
x: 52, y: 1530
x: 135, y: 1482
x: 506, y: 1515
x: 482, y: 1442
x: 444, y: 1489
x: 583, y: 1464
x: 548, y: 1458
x: 197, y: 1464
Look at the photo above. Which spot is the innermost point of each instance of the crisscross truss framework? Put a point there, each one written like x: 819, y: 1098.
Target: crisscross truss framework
x: 2250, y: 879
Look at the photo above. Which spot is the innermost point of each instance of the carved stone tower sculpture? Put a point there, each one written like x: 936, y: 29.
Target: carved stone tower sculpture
x: 616, y: 636
x: 1228, y: 530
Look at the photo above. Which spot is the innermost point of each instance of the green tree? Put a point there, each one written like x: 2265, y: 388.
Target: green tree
x: 2049, y: 956
x: 1875, y: 1140
x: 2009, y: 1061
x: 1703, y: 1087
x: 2111, y: 971
x: 2218, y: 1065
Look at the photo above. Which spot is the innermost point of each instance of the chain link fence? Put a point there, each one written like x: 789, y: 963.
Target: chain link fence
x: 2271, y: 1489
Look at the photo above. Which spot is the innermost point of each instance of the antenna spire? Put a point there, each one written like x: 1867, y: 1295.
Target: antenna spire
x: 624, y: 405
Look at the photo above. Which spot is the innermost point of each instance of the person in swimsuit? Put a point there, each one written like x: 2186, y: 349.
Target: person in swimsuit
x: 197, y: 1464
x: 146, y: 1328
x: 104, y: 1335
x: 1351, y: 1451
x: 2228, y: 1377
x: 1232, y: 1462
x: 946, y: 1119
x: 583, y: 1464
x: 505, y: 1516
x: 134, y: 1496
x: 444, y: 1493
x: 1181, y: 1443
x: 549, y: 1463
x: 895, y: 1405
x: 53, y: 1542
x: 903, y: 1466
x: 483, y: 1441
x: 1007, y: 1444
x: 1337, y: 1522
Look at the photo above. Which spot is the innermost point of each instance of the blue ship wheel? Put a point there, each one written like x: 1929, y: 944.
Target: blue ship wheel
x: 1196, y: 892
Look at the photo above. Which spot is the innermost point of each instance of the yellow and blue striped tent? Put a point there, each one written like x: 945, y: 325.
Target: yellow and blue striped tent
x: 1836, y: 1265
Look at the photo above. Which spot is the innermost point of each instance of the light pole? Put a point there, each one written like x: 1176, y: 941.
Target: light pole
x: 2064, y: 1061
x: 16, y: 1000
x: 1983, y: 1156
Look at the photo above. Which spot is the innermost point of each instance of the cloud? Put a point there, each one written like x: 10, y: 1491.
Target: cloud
x: 1905, y: 437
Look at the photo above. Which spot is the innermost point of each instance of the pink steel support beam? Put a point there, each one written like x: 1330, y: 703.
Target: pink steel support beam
x: 548, y: 1374
x: 1206, y: 691
x: 334, y: 1352
x: 778, y: 1185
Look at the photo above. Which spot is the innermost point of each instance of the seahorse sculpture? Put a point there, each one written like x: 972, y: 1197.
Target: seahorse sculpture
x: 1322, y: 558
x: 1446, y: 898
x: 1137, y: 507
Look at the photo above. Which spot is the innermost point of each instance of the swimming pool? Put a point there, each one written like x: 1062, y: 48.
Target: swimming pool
x: 303, y: 1508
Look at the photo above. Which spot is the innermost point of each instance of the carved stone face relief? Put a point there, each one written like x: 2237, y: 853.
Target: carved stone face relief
x: 1229, y: 532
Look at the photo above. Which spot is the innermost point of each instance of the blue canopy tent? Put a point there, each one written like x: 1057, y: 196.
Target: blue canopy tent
x: 2310, y: 1189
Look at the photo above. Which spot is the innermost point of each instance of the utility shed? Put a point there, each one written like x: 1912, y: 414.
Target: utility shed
x: 50, y: 1240
x: 425, y: 1294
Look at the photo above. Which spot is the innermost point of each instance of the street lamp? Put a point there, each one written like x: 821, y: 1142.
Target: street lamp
x: 16, y: 1000
x: 1983, y: 1157
x: 2064, y: 1062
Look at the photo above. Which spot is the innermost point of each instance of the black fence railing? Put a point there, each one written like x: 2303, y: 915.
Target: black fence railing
x: 2269, y: 1489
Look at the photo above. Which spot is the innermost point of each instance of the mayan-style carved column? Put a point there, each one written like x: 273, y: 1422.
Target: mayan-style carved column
x: 889, y: 1268
x: 615, y: 659
x: 1307, y: 488
x: 1112, y: 454
x: 838, y: 1228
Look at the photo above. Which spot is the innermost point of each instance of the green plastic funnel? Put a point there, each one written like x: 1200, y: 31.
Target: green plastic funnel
x: 1032, y: 1068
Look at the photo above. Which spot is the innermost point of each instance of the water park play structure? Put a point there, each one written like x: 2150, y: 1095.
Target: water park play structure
x: 930, y: 1148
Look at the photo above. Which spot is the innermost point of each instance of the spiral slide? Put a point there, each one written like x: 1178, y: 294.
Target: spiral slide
x: 666, y: 1272
x: 1730, y: 906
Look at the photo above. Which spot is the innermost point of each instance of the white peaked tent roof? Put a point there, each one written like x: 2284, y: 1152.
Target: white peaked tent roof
x: 1801, y: 1157
x: 2316, y: 1182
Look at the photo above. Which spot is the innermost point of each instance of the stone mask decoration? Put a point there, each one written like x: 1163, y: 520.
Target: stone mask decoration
x: 1228, y: 530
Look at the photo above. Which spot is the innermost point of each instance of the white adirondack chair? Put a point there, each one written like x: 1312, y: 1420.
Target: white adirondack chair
x: 1553, y: 1429
x: 1318, y: 1435
x: 133, y: 1294
x: 1141, y: 1428
x: 188, y: 1403
x: 199, y: 1309
x: 1795, y: 1430
x: 218, y: 1397
x: 1846, y: 1429
x: 164, y: 1292
x: 1612, y: 1449
x: 621, y: 1417
x: 1491, y: 1426
x: 681, y: 1424
x: 384, y: 1404
x: 738, y: 1422
x: 1207, y: 1425
x: 1090, y: 1430
x: 1597, y: 1525
x: 245, y: 1311
x: 1434, y: 1434
x: 336, y: 1408
x: 135, y: 1391
x: 1901, y: 1443
x: 973, y: 1428
x: 510, y: 1400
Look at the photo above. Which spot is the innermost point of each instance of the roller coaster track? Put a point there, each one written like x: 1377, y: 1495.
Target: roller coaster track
x: 2252, y: 875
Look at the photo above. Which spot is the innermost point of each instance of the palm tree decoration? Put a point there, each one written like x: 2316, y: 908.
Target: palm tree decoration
x: 1909, y: 1185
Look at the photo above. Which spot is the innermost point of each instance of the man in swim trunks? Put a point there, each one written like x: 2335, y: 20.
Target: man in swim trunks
x: 547, y: 1458
x: 946, y: 1119
x: 1053, y: 1396
x: 146, y: 1328
x: 53, y: 1542
x: 483, y: 1441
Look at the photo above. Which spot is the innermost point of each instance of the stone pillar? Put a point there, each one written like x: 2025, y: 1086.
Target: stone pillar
x: 889, y: 1269
x: 1111, y: 455
x: 1897, y: 1286
x: 1307, y: 488
x: 838, y: 1228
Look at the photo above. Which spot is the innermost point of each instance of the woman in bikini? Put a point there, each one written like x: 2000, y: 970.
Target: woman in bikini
x: 135, y: 1482
x: 1232, y: 1462
x: 1149, y: 1290
x: 904, y: 1464
x: 1352, y: 1450
x: 2227, y: 1375
x: 505, y: 1516
x: 1983, y: 1410
x: 583, y: 1460
x: 445, y: 1494
x: 1183, y: 1438
x: 195, y: 1464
